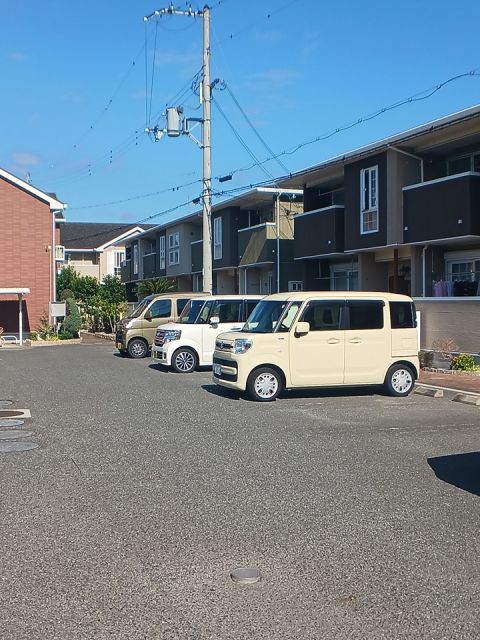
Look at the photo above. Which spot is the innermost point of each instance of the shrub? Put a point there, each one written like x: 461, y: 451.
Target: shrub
x: 33, y: 336
x: 464, y: 362
x: 426, y: 358
x: 155, y: 285
x: 66, y: 294
x: 73, y: 320
x: 445, y: 347
x: 45, y: 331
x: 65, y: 335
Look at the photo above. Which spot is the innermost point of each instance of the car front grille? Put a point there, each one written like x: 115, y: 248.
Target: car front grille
x: 223, y: 345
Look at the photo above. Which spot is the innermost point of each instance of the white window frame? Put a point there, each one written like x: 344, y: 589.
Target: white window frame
x: 162, y: 252
x: 217, y: 239
x: 295, y: 285
x: 135, y: 258
x: 371, y: 174
x: 174, y: 248
x: 118, y: 259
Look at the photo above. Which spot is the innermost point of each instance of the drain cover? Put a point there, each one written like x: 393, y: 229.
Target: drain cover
x: 10, y: 414
x: 13, y: 447
x: 245, y: 575
x: 5, y: 403
x: 12, y: 434
x: 11, y: 422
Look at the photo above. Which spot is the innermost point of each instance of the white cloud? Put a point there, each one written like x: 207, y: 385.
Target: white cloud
x: 25, y: 159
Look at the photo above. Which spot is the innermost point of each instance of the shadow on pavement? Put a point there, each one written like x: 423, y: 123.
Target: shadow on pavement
x: 333, y: 392
x: 462, y: 470
x: 221, y: 392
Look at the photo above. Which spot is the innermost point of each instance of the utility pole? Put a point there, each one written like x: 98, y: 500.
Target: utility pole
x: 207, y: 150
x: 205, y: 145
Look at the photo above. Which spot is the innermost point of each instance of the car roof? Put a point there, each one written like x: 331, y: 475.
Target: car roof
x: 233, y: 296
x: 300, y: 296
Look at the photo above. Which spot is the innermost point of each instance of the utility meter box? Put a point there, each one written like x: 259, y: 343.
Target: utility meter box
x: 58, y: 309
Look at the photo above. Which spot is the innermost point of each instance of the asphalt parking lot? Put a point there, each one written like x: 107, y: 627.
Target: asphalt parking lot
x: 361, y: 511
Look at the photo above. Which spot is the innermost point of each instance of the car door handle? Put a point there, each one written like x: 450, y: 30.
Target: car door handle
x: 355, y: 340
x: 333, y: 341
x: 236, y: 329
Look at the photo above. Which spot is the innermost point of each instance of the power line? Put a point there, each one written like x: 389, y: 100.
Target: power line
x: 423, y: 95
x: 242, y: 141
x: 255, y: 131
x: 415, y: 98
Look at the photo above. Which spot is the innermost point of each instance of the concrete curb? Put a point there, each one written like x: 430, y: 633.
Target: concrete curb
x: 466, y: 398
x: 428, y: 391
x: 52, y: 343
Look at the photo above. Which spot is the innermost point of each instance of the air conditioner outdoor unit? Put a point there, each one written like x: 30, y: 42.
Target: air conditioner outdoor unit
x: 60, y: 253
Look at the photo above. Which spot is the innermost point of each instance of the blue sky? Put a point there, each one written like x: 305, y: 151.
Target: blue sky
x: 73, y: 106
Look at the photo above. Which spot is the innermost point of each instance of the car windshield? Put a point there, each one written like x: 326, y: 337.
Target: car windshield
x: 139, y: 309
x: 191, y: 311
x: 271, y: 316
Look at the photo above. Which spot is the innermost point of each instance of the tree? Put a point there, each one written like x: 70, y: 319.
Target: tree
x: 113, y: 289
x: 73, y: 320
x: 66, y: 279
x: 156, y: 285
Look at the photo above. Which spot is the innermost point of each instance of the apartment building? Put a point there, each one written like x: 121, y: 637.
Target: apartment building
x: 252, y: 248
x: 400, y: 215
x: 95, y: 248
x: 30, y: 221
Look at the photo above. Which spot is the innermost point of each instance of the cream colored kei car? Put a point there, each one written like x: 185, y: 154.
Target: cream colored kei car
x: 320, y: 339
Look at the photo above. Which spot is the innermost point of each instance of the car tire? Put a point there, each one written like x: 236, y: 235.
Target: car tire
x: 184, y: 360
x: 264, y: 384
x: 137, y: 348
x: 399, y: 380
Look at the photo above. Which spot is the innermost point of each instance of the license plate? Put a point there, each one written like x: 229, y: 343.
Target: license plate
x: 217, y: 370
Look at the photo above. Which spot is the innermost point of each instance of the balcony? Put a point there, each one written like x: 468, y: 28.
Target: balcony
x: 441, y: 209
x: 319, y: 232
x: 150, y: 265
x: 257, y: 245
x: 197, y: 256
x: 126, y: 271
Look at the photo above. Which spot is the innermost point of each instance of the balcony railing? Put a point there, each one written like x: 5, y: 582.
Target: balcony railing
x: 442, y: 209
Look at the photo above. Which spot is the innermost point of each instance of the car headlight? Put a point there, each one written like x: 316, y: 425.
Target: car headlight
x: 129, y: 324
x: 172, y: 334
x: 241, y: 345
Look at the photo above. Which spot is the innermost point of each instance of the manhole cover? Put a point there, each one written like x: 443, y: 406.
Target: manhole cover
x: 12, y: 434
x: 10, y: 414
x: 11, y: 422
x: 5, y: 403
x: 13, y: 447
x: 245, y: 575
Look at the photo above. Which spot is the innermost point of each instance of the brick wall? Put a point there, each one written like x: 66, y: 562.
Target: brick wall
x: 25, y: 232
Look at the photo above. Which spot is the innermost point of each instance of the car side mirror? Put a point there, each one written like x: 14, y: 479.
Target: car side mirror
x: 214, y: 321
x: 148, y: 315
x: 302, y: 328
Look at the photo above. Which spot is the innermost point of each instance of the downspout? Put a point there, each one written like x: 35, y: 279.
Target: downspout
x: 424, y: 275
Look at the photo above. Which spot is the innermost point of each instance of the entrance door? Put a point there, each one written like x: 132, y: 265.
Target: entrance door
x: 367, y: 343
x: 317, y: 359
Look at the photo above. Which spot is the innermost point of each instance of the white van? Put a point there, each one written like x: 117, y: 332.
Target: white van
x: 320, y: 338
x: 190, y: 342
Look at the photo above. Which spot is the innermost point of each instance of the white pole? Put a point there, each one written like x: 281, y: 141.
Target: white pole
x: 207, y: 169
x: 277, y: 220
x: 20, y: 318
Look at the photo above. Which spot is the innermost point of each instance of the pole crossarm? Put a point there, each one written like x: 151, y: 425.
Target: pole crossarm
x: 171, y: 11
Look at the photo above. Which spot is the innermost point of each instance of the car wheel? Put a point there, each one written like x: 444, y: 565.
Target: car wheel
x: 137, y: 348
x: 264, y: 384
x: 184, y: 360
x: 399, y: 380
